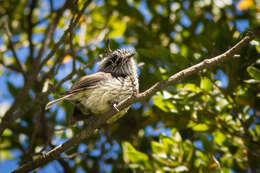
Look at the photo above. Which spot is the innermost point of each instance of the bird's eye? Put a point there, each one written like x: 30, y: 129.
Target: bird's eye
x: 114, y: 58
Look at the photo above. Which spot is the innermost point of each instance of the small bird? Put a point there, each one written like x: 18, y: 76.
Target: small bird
x: 98, y: 93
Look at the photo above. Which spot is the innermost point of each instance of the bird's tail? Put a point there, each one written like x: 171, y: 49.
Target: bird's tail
x: 50, y: 104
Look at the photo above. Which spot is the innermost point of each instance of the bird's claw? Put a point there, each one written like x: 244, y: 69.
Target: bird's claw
x: 115, y: 107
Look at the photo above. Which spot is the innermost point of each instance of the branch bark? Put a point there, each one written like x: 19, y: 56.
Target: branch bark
x: 50, y: 30
x: 30, y: 27
x: 10, y: 67
x: 95, y: 122
x: 9, y: 35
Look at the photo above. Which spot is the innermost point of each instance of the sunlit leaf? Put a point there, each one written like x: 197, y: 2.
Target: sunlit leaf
x: 180, y: 169
x: 245, y: 4
x: 5, y: 155
x: 132, y: 155
x: 254, y: 72
x: 200, y: 127
x: 118, y: 29
x: 219, y: 137
x: 66, y: 59
x: 213, y: 165
x: 157, y: 147
x: 206, y: 84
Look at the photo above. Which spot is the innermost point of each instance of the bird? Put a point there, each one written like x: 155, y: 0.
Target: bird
x: 100, y: 92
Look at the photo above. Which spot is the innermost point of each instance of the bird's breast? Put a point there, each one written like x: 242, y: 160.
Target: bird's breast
x: 114, y: 90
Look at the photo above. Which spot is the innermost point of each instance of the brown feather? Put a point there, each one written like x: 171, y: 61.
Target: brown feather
x: 87, y: 82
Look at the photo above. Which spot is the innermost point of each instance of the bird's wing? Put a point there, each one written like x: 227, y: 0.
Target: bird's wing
x: 87, y: 82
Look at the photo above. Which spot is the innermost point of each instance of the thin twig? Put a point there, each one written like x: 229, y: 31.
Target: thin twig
x: 100, y: 37
x: 30, y: 29
x: 51, y: 5
x: 36, y: 128
x: 65, y: 128
x: 50, y: 30
x: 108, y: 45
x: 74, y: 155
x: 72, y: 25
x: 56, y: 65
x: 10, y: 67
x: 218, y: 164
x: 73, y: 54
x: 65, y: 165
x: 9, y: 35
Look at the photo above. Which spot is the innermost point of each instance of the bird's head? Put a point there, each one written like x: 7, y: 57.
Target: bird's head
x: 119, y: 62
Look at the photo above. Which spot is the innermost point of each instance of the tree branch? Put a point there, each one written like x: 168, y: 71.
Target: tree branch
x: 50, y: 29
x: 30, y: 26
x: 72, y: 25
x: 72, y: 51
x: 39, y: 99
x: 9, y: 117
x: 10, y: 67
x: 65, y: 165
x: 95, y: 122
x: 9, y: 35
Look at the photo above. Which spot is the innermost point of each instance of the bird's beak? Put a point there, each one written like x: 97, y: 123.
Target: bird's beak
x: 126, y: 59
x: 130, y: 56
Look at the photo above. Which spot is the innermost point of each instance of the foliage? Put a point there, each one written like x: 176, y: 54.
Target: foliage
x: 207, y: 122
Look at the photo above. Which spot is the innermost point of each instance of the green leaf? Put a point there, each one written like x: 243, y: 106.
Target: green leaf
x: 257, y: 129
x: 158, y: 101
x: 168, y: 142
x: 257, y: 48
x: 6, y: 155
x: 206, y: 84
x: 207, y: 144
x: 200, y: 127
x: 176, y: 135
x: 158, y: 53
x: 157, y: 147
x: 164, y: 52
x: 192, y: 87
x: 219, y: 137
x: 132, y: 155
x: 184, y: 50
x: 180, y: 169
x: 12, y: 89
x: 254, y: 72
x: 188, y: 147
x: 164, y: 104
x: 118, y: 29
x: 252, y: 81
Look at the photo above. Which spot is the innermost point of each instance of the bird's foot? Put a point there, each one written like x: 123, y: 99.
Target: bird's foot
x: 114, y: 105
